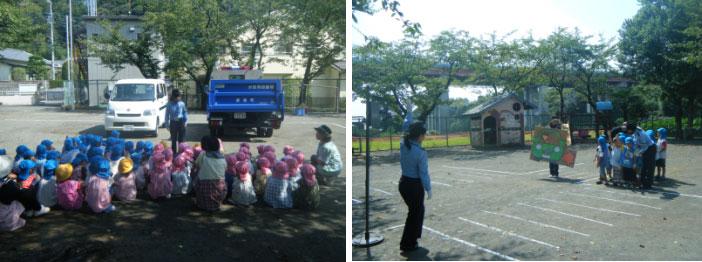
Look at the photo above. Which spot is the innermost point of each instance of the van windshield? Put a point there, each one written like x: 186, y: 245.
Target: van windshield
x: 133, y: 92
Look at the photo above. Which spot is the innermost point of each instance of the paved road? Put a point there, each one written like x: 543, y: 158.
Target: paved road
x: 499, y: 205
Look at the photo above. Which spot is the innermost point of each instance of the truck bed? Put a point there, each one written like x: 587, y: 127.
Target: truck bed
x: 264, y: 95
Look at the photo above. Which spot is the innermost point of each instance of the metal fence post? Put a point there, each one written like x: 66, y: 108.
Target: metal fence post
x: 446, y: 130
x: 390, y: 143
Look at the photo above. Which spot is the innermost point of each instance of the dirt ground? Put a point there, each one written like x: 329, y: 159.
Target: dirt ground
x: 173, y: 229
x: 499, y: 205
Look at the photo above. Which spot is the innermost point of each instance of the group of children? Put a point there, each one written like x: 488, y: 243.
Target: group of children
x: 618, y: 162
x: 93, y: 170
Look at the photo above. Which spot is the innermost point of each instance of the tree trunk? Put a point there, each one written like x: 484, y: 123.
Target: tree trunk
x: 305, y: 81
x: 561, y: 113
x: 678, y: 123
x: 690, y: 117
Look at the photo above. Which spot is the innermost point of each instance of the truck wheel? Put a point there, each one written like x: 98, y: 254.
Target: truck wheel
x: 269, y: 132
x: 260, y: 132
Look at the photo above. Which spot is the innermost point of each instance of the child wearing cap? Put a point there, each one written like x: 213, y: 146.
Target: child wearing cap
x: 287, y: 150
x: 181, y: 175
x: 294, y: 176
x: 327, y: 161
x: 661, y: 153
x: 142, y: 170
x: 615, y: 159
x: 307, y: 196
x: 242, y: 189
x: 230, y: 173
x: 210, y: 189
x: 68, y: 191
x: 97, y: 193
x: 46, y: 190
x: 602, y: 160
x: 160, y: 184
x: 262, y: 175
x: 628, y: 161
x: 277, y: 192
x: 116, y: 156
x: 80, y: 167
x: 70, y: 150
x: 10, y: 207
x: 125, y: 184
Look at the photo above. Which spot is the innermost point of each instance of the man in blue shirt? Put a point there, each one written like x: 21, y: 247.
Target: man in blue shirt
x: 413, y: 182
x: 176, y: 119
x: 645, y: 148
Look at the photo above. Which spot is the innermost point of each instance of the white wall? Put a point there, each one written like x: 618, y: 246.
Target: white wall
x: 17, y: 100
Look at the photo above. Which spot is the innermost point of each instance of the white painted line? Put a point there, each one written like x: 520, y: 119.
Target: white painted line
x: 463, y: 180
x: 538, y: 223
x: 674, y: 193
x: 508, y: 233
x: 485, y: 170
x: 567, y: 214
x: 614, y: 200
x: 439, y: 183
x: 474, y: 174
x: 382, y: 191
x: 589, y: 179
x: 621, y: 193
x: 495, y: 253
x: 542, y: 170
x: 334, y: 124
x: 393, y: 227
x: 594, y: 208
x: 356, y: 201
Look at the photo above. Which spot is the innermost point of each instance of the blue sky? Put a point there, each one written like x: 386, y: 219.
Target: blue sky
x: 538, y: 17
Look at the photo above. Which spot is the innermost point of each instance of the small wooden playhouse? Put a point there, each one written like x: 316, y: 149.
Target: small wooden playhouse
x: 499, y: 121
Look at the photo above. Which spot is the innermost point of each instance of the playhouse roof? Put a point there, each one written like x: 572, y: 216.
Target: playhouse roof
x: 495, y: 101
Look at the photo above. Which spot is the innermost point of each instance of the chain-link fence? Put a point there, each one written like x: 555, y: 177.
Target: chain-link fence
x: 441, y: 132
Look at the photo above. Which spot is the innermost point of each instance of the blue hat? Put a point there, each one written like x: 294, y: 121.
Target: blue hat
x: 47, y: 143
x: 114, y: 134
x: 602, y: 141
x: 629, y: 140
x: 41, y: 151
x: 28, y: 154
x: 663, y: 133
x: 68, y: 144
x: 79, y: 159
x: 3, y: 152
x: 136, y: 158
x: 129, y: 146
x: 651, y: 134
x: 53, y: 154
x: 117, y: 152
x: 103, y: 168
x: 140, y: 146
x: 20, y: 151
x: 49, y: 168
x: 94, y: 164
x: 95, y: 151
x: 24, y: 167
x: 95, y: 141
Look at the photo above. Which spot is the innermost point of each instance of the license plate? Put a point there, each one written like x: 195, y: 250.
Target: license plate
x: 128, y: 128
x: 239, y: 116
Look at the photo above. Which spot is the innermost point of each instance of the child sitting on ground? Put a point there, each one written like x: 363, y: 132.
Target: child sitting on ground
x: 242, y: 189
x: 262, y: 175
x: 160, y: 184
x: 602, y: 160
x: 116, y: 155
x: 294, y: 176
x: 287, y: 150
x: 230, y: 173
x: 661, y: 153
x: 210, y: 189
x: 181, y: 175
x: 125, y: 183
x: 97, y: 193
x: 68, y: 192
x: 80, y: 167
x: 141, y: 169
x: 277, y: 192
x: 46, y: 189
x: 307, y: 196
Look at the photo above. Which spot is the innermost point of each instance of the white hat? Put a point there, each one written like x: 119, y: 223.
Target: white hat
x: 5, y: 166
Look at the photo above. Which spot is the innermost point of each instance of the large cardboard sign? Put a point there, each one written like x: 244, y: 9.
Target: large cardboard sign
x: 550, y: 144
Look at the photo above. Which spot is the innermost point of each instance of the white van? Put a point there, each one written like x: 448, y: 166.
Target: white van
x: 136, y: 105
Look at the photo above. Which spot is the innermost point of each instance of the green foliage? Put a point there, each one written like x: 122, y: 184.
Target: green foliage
x: 393, y: 6
x: 18, y: 74
x: 506, y: 66
x: 268, y: 22
x: 637, y: 102
x: 115, y: 50
x: 36, y: 68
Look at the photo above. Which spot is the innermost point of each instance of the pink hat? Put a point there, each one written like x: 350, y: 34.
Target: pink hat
x: 231, y: 163
x: 159, y: 161
x: 308, y: 172
x: 261, y: 149
x: 270, y: 155
x: 189, y: 153
x: 242, y: 168
x: 158, y: 148
x: 245, y: 145
x: 299, y: 156
x: 182, y: 146
x: 263, y: 163
x: 179, y: 163
x: 292, y: 164
x: 168, y: 153
x: 288, y: 149
x: 269, y: 148
x: 281, y: 170
x: 241, y: 156
x: 245, y: 151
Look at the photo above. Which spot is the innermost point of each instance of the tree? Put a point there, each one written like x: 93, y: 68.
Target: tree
x: 195, y: 34
x: 320, y: 28
x: 116, y: 50
x: 654, y: 48
x: 36, y: 68
x: 591, y: 66
x: 506, y: 66
x: 266, y: 20
x: 18, y: 74
x: 393, y: 6
x: 559, y: 51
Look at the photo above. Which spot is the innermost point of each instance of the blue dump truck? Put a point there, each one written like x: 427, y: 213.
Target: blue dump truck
x: 244, y: 105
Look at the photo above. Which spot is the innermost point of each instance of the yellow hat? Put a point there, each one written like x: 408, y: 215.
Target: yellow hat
x: 125, y: 166
x: 165, y: 143
x: 63, y: 172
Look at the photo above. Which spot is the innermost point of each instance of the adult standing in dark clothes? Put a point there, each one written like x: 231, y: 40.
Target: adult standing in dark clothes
x: 414, y: 181
x: 646, y: 149
x: 176, y: 119
x: 555, y: 123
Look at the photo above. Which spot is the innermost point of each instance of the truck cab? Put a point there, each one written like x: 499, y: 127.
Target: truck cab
x: 136, y: 105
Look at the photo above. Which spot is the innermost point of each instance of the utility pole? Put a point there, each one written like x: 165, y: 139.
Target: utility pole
x: 51, y: 22
x: 68, y: 51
